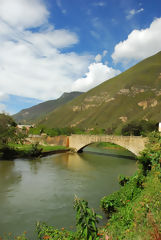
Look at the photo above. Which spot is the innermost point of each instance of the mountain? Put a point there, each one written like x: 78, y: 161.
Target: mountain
x: 133, y: 95
x: 32, y: 114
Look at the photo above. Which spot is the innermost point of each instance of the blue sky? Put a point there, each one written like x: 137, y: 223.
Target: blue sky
x: 52, y: 46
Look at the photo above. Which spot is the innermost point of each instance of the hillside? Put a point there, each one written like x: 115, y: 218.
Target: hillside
x: 134, y: 94
x: 32, y: 114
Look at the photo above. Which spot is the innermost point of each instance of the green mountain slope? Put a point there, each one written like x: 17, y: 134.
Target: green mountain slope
x: 32, y: 114
x: 132, y: 95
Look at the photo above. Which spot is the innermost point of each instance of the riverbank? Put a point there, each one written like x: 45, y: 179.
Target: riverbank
x: 107, y: 145
x: 133, y: 212
x: 12, y: 150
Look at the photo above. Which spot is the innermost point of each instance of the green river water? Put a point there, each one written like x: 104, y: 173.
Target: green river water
x: 44, y: 189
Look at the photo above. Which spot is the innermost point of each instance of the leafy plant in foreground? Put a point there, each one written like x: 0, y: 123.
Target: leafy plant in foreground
x: 86, y: 223
x: 86, y: 220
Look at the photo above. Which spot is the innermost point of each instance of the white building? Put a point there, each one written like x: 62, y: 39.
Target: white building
x: 159, y: 129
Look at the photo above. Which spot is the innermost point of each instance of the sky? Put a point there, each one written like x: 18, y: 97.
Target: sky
x: 48, y: 47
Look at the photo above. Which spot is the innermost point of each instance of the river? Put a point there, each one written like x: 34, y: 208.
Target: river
x: 44, y: 189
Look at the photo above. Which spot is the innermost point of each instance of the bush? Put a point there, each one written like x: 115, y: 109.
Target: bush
x: 7, y: 152
x: 86, y: 220
x: 123, y: 180
x: 138, y: 128
x: 35, y: 150
x: 86, y: 223
x: 127, y: 193
x: 151, y: 156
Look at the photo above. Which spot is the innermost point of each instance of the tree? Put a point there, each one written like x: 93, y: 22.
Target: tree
x: 7, y: 128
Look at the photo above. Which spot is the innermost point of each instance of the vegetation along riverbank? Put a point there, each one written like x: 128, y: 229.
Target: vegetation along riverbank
x: 133, y: 212
x: 12, y: 142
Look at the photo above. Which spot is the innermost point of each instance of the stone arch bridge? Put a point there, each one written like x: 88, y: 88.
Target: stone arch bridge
x: 135, y: 144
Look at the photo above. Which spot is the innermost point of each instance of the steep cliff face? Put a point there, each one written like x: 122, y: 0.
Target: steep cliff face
x: 31, y: 115
x: 132, y: 95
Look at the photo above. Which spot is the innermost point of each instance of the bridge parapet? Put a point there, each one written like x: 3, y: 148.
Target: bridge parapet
x: 135, y: 144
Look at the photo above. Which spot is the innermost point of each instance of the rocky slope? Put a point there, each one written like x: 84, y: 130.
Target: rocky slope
x: 133, y: 95
x: 32, y: 114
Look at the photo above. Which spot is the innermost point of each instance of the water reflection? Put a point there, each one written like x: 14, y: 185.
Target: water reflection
x: 35, y: 165
x: 43, y: 189
x: 9, y: 178
x: 72, y: 161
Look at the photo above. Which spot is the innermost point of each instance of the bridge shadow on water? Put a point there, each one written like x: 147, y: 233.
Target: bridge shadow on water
x: 110, y: 155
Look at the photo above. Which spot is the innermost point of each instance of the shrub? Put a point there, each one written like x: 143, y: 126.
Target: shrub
x: 123, y: 180
x: 35, y: 150
x: 86, y: 220
x: 127, y: 193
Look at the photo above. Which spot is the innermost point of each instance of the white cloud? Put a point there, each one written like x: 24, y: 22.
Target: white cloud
x: 23, y: 13
x: 99, y: 4
x: 104, y: 53
x: 32, y: 63
x: 59, y: 4
x: 3, y: 96
x: 134, y: 12
x: 139, y: 44
x: 97, y: 73
x: 98, y: 58
x: 2, y: 107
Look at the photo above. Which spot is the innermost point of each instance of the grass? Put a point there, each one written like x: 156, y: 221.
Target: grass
x: 27, y: 147
x: 13, y: 150
x: 106, y: 145
x: 140, y: 217
x: 94, y: 110
x: 134, y: 212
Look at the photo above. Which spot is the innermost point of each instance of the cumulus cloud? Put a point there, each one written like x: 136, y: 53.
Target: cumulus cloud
x: 98, y: 58
x: 97, y: 73
x: 133, y: 12
x: 139, y: 44
x: 32, y: 62
x: 23, y: 13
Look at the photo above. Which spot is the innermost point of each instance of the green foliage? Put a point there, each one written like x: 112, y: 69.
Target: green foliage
x: 123, y: 180
x: 7, y: 152
x: 8, y: 133
x: 108, y: 145
x: 7, y: 129
x: 134, y: 211
x: 36, y: 150
x: 151, y: 156
x: 97, y: 131
x: 48, y: 232
x: 140, y: 218
x: 10, y: 236
x: 128, y: 192
x: 138, y: 128
x: 52, y: 132
x: 86, y: 223
x: 37, y: 130
x: 86, y: 220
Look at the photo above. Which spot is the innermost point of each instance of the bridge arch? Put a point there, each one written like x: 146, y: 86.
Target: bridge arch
x: 81, y: 149
x: 134, y: 144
